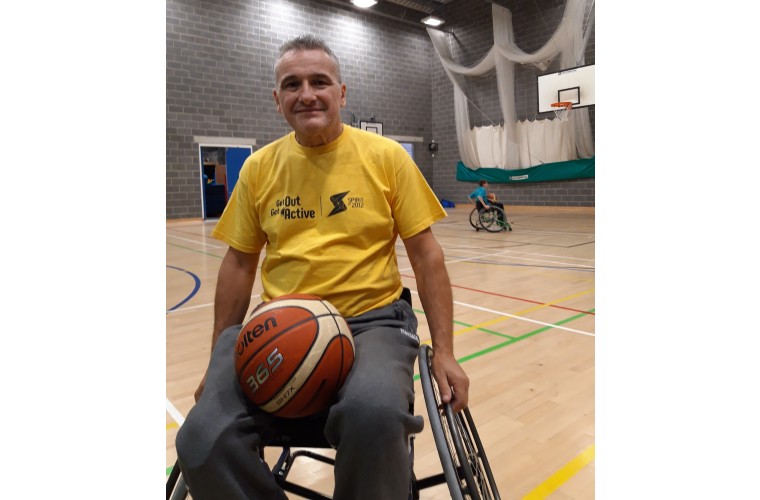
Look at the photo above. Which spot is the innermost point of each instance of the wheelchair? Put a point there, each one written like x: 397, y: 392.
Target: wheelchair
x: 466, y: 470
x: 489, y: 218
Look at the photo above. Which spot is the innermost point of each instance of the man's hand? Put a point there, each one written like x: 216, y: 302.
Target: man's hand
x: 453, y: 383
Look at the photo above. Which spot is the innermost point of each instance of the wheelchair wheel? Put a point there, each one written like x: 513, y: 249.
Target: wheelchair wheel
x: 475, y: 219
x: 490, y: 219
x: 176, y: 488
x: 465, y: 466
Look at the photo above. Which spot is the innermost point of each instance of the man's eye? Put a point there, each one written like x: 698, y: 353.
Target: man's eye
x: 290, y: 85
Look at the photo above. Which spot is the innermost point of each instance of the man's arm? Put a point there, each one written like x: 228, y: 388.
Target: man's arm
x: 434, y: 288
x: 233, y: 294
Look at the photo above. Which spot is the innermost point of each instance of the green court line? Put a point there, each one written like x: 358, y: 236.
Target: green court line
x: 517, y: 339
x: 169, y: 470
x: 513, y: 340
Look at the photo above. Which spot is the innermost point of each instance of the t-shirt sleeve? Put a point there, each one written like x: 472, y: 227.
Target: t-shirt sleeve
x: 239, y: 226
x: 415, y: 206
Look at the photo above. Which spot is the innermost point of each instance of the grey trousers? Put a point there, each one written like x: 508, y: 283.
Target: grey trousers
x: 369, y: 426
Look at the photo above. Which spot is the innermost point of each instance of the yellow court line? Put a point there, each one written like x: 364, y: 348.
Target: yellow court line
x: 561, y: 476
x: 171, y: 425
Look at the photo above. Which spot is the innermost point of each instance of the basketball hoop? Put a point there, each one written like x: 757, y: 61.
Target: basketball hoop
x: 562, y: 109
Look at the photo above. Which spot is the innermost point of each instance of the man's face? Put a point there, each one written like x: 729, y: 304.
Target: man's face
x: 310, y: 96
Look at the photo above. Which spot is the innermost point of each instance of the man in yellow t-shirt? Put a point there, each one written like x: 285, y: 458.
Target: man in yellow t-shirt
x: 326, y: 204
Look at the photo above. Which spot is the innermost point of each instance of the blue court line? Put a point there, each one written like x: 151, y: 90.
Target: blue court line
x: 195, y: 290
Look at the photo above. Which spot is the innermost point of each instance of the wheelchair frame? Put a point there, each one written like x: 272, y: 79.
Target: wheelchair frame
x: 466, y: 471
x: 488, y: 218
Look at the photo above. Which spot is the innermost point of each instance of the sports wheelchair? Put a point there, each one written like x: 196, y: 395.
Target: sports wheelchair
x: 491, y: 218
x: 466, y: 471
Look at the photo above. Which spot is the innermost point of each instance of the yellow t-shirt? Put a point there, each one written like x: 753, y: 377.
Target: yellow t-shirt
x: 329, y: 217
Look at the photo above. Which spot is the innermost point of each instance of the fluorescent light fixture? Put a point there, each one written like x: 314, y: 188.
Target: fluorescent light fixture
x: 433, y: 21
x: 364, y: 4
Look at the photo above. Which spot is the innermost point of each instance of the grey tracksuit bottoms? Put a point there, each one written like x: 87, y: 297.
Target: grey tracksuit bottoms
x: 369, y: 426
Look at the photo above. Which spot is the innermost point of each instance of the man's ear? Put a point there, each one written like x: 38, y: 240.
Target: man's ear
x: 276, y: 100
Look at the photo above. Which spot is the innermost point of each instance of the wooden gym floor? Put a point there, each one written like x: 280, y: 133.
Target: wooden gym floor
x: 524, y: 332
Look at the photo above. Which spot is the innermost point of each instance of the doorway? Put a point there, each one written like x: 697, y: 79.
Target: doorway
x: 220, y: 168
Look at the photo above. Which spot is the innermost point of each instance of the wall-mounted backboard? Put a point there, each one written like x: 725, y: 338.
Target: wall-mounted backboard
x: 574, y: 85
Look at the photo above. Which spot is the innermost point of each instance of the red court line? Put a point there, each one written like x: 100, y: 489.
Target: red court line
x: 513, y: 298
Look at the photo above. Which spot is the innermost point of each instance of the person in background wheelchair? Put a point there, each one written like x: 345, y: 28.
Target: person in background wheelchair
x: 483, y: 199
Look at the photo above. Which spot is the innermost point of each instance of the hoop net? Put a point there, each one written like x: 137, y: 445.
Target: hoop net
x: 562, y: 110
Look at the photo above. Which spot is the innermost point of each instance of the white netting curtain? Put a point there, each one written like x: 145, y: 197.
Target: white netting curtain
x: 524, y: 144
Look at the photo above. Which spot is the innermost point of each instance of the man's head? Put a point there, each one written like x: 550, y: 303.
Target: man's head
x: 483, y: 183
x: 308, y: 90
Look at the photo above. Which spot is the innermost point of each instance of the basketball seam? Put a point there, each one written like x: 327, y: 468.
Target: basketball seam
x: 309, y: 377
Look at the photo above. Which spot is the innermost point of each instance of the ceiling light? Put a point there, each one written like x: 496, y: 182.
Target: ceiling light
x: 364, y: 4
x: 433, y: 21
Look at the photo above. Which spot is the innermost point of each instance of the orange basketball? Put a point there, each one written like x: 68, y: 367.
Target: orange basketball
x: 293, y: 355
x: 492, y: 196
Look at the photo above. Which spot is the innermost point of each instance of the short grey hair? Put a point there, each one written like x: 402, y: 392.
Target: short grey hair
x: 307, y: 42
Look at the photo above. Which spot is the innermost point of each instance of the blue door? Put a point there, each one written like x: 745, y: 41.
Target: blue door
x: 235, y: 158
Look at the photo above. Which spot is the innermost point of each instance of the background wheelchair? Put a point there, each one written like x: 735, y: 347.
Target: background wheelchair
x: 489, y: 218
x: 466, y: 471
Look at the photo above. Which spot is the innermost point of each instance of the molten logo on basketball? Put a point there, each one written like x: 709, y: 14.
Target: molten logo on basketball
x: 258, y: 329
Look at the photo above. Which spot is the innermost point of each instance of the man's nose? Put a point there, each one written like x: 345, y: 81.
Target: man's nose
x: 307, y: 93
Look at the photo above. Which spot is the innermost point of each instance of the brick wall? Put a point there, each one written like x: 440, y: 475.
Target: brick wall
x: 219, y: 57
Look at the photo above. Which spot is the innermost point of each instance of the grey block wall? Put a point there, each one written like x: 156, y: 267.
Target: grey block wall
x: 219, y: 80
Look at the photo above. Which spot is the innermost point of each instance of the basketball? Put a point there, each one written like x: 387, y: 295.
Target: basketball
x: 491, y: 196
x: 293, y: 355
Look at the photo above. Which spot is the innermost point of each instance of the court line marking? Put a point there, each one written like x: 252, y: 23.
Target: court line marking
x: 466, y: 247
x: 195, y: 241
x: 194, y: 250
x: 195, y: 289
x: 201, y: 306
x: 563, y: 474
x: 548, y: 304
x: 492, y: 311
x: 516, y: 257
x: 501, y: 313
x: 174, y: 413
x: 525, y: 311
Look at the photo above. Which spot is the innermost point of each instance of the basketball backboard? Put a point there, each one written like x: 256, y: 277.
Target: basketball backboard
x: 574, y: 85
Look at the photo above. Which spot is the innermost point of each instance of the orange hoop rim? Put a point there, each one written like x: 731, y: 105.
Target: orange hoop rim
x: 565, y: 104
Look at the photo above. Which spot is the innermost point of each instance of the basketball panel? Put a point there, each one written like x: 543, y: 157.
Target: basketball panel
x: 328, y: 330
x: 320, y: 389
